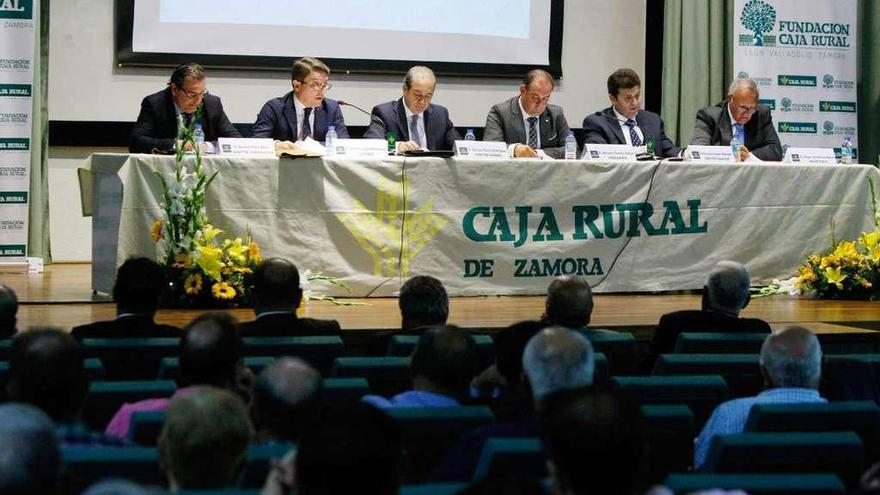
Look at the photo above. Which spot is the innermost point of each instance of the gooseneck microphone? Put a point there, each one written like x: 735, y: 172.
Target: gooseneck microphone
x: 372, y: 117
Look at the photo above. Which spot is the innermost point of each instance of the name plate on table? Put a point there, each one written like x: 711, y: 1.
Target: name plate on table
x: 246, y: 146
x: 609, y: 152
x: 361, y: 148
x: 824, y: 156
x: 709, y: 153
x: 481, y: 149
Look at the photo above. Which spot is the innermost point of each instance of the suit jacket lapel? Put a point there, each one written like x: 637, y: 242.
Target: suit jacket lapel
x: 401, y: 121
x: 290, y: 115
x: 171, y: 111
x: 614, y: 124
x: 429, y: 124
x: 518, y: 123
x: 320, y: 127
x: 725, y: 128
x: 548, y: 133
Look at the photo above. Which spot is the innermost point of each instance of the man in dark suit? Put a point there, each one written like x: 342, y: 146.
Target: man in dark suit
x: 304, y: 112
x: 8, y: 311
x: 276, y: 296
x: 417, y: 123
x: 725, y: 294
x: 156, y: 128
x: 739, y: 115
x: 139, y: 285
x: 527, y: 122
x: 624, y: 122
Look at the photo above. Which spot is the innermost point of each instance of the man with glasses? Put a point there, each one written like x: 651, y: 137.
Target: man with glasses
x: 416, y: 122
x: 157, y: 125
x: 304, y: 112
x: 742, y: 116
x: 527, y: 122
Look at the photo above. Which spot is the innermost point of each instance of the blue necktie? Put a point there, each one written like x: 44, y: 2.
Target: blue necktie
x: 533, y: 132
x: 633, y: 135
x: 414, y: 130
x: 740, y: 133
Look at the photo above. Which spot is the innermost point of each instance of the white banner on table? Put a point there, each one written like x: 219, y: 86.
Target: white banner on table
x: 821, y: 156
x: 802, y: 54
x: 699, y: 153
x: 627, y: 226
x: 609, y: 152
x: 481, y: 150
x: 246, y: 146
x: 17, y: 40
x: 361, y: 148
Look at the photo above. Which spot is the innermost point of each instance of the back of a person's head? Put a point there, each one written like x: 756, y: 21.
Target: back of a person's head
x: 558, y: 359
x: 139, y: 285
x: 569, y: 302
x: 30, y: 460
x: 8, y: 311
x: 46, y: 370
x: 117, y: 487
x: 276, y: 285
x: 509, y: 346
x: 423, y: 302
x: 204, y: 440
x: 210, y: 351
x: 792, y: 358
x: 286, y: 399
x: 447, y: 357
x: 352, y: 448
x: 595, y: 442
x: 727, y: 288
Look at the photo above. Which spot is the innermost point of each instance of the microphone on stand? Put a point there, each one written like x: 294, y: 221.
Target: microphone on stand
x: 373, y: 118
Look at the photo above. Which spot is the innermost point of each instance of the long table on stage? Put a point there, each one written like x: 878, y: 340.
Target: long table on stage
x: 498, y: 227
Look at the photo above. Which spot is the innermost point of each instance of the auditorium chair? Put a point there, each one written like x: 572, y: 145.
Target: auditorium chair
x: 429, y: 431
x: 756, y: 484
x: 742, y: 372
x: 719, y: 343
x: 841, y: 453
x: 618, y: 347
x: 131, y: 359
x: 94, y: 370
x: 259, y: 458
x: 861, y: 417
x: 702, y: 393
x: 170, y: 366
x: 386, y: 375
x: 403, y: 345
x: 105, y: 398
x: 87, y: 464
x: 669, y: 432
x: 433, y: 489
x: 523, y: 457
x: 319, y: 351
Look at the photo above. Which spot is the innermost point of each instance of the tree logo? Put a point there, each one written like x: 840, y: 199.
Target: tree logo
x: 760, y: 18
x: 828, y: 127
x: 742, y: 75
x: 828, y: 81
x: 786, y: 104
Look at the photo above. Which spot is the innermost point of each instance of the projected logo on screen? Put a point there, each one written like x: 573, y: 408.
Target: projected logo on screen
x: 380, y: 232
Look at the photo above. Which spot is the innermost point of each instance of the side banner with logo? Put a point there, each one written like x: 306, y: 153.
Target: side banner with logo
x: 802, y: 54
x: 17, y: 37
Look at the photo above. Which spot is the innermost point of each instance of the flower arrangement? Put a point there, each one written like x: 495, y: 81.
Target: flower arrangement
x: 203, y: 268
x: 849, y: 270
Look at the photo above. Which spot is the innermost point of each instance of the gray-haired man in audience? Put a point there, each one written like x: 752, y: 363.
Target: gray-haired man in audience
x: 30, y: 461
x: 558, y: 359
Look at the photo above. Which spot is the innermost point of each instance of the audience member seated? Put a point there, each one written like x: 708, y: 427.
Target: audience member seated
x: 791, y: 362
x: 570, y: 305
x: 30, y: 460
x: 204, y: 441
x: 444, y: 362
x: 158, y: 123
x: 595, y: 443
x: 210, y: 354
x: 139, y: 285
x: 725, y: 294
x: 117, y: 487
x: 286, y: 400
x: 504, y: 383
x: 8, y: 311
x: 423, y: 303
x: 277, y: 294
x: 47, y: 370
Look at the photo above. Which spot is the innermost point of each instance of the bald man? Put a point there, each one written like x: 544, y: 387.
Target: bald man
x: 791, y: 362
x: 286, y: 399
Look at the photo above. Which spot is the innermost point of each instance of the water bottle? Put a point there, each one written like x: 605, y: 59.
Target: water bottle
x: 330, y: 140
x: 571, y: 146
x: 469, y: 135
x: 846, y: 151
x: 735, y: 146
x: 199, y: 137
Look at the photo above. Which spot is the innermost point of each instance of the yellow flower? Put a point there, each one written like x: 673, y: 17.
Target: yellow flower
x: 209, y: 260
x: 807, y: 275
x: 870, y: 240
x: 834, y: 276
x: 156, y: 230
x: 237, y: 251
x: 193, y: 284
x: 223, y: 290
x: 182, y: 260
x: 862, y: 281
x: 846, y: 249
x: 254, y: 253
x: 828, y: 261
x: 209, y: 232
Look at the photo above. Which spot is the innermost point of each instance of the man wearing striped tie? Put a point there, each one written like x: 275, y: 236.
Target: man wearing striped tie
x: 742, y: 116
x: 527, y: 122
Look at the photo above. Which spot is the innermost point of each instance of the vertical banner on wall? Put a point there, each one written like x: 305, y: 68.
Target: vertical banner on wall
x: 17, y: 40
x: 802, y: 54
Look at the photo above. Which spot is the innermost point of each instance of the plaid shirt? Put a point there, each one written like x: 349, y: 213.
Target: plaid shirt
x: 77, y: 433
x: 730, y: 417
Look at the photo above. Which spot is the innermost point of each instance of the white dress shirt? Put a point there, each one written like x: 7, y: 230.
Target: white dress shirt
x: 423, y: 138
x: 300, y: 113
x: 621, y: 120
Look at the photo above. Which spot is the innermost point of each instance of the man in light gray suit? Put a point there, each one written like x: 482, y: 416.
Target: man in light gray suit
x: 527, y: 122
x: 742, y: 115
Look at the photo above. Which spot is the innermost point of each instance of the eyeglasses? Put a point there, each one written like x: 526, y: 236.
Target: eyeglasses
x: 192, y: 94
x: 536, y: 98
x: 746, y: 109
x: 318, y: 86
